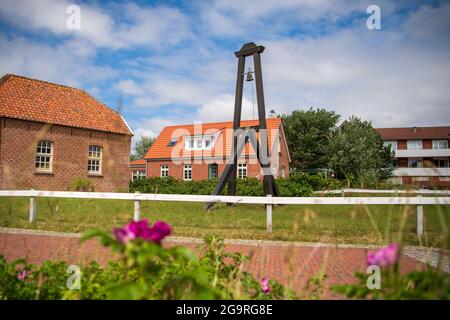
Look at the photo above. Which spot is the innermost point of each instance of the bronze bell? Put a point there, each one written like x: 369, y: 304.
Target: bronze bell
x: 249, y: 75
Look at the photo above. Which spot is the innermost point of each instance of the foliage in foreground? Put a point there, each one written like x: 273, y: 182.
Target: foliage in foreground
x: 144, y: 270
x: 417, y: 285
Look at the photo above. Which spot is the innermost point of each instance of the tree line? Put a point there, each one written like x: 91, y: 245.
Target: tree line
x: 353, y: 150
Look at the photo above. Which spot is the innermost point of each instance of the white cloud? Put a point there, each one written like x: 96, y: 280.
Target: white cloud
x: 151, y: 127
x: 394, y: 76
x: 68, y: 63
x: 221, y: 108
x: 381, y: 76
x: 153, y: 26
x: 235, y: 18
x: 129, y: 87
x: 150, y: 26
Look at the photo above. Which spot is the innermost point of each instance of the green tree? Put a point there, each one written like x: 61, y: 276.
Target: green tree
x: 141, y: 147
x: 308, y: 133
x: 357, y: 153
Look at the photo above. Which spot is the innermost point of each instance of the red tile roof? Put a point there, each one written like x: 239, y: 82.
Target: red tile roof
x: 221, y: 147
x: 41, y: 101
x: 414, y: 133
x: 137, y: 162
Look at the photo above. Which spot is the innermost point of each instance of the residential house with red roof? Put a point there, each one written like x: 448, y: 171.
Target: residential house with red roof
x: 51, y: 134
x: 422, y: 155
x: 199, y: 151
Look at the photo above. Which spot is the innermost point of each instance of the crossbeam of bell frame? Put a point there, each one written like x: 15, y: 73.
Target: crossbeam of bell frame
x: 230, y: 172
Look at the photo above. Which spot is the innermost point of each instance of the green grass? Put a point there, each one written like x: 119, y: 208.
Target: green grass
x: 375, y: 224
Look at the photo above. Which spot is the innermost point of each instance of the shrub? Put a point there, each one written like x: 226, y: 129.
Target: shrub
x: 81, y: 184
x: 296, y: 185
x: 144, y: 270
x: 430, y: 284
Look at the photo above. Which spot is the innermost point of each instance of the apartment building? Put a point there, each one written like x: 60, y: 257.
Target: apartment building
x: 422, y: 155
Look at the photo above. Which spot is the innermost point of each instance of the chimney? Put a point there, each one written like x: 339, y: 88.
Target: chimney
x: 415, y: 129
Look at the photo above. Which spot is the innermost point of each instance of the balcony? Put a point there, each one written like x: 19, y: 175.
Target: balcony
x: 419, y: 153
x: 422, y: 172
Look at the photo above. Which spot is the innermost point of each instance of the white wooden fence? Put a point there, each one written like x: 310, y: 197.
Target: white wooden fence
x: 342, y: 192
x: 268, y: 201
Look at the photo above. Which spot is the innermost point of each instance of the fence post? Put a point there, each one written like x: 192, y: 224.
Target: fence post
x: 32, y: 215
x: 419, y: 215
x: 137, y: 208
x: 269, y: 213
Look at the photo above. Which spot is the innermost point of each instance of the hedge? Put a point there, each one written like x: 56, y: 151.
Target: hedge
x: 296, y: 185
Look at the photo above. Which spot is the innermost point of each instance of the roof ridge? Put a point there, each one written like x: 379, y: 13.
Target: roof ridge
x: 103, y: 104
x: 417, y: 127
x: 217, y: 122
x: 10, y: 75
x: 111, y: 121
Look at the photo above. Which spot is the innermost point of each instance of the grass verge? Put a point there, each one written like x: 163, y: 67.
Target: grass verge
x: 375, y: 224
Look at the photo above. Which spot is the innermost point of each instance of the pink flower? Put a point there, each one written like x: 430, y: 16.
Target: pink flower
x: 22, y: 275
x: 140, y: 229
x: 265, y: 285
x: 159, y: 231
x: 385, y: 256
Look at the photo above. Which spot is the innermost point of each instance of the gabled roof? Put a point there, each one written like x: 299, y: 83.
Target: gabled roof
x: 221, y: 146
x: 138, y: 162
x: 36, y: 100
x: 412, y: 133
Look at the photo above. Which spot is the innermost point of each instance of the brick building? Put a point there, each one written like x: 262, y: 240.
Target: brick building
x: 421, y: 156
x: 137, y: 169
x: 51, y: 134
x: 199, y: 152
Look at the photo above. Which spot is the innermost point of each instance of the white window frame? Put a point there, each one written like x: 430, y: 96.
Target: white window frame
x: 444, y: 179
x: 410, y: 143
x: 40, y: 165
x: 95, y: 149
x: 198, y: 142
x: 164, y: 170
x: 242, y: 170
x: 187, y: 172
x: 420, y: 161
x: 436, y: 144
x: 137, y: 174
x: 210, y: 166
x: 393, y: 144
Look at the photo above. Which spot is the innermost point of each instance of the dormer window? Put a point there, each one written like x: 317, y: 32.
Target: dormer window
x: 172, y: 142
x: 199, y: 142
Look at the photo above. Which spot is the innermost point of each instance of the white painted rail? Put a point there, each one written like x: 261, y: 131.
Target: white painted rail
x: 269, y: 201
x: 419, y: 191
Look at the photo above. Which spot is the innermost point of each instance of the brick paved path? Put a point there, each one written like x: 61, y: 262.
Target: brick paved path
x: 292, y: 265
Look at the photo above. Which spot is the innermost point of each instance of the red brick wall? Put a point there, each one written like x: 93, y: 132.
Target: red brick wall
x: 199, y: 170
x: 284, y: 156
x: 432, y: 182
x: 70, y: 155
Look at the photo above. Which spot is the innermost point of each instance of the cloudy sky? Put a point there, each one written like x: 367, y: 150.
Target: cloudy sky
x: 172, y: 62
